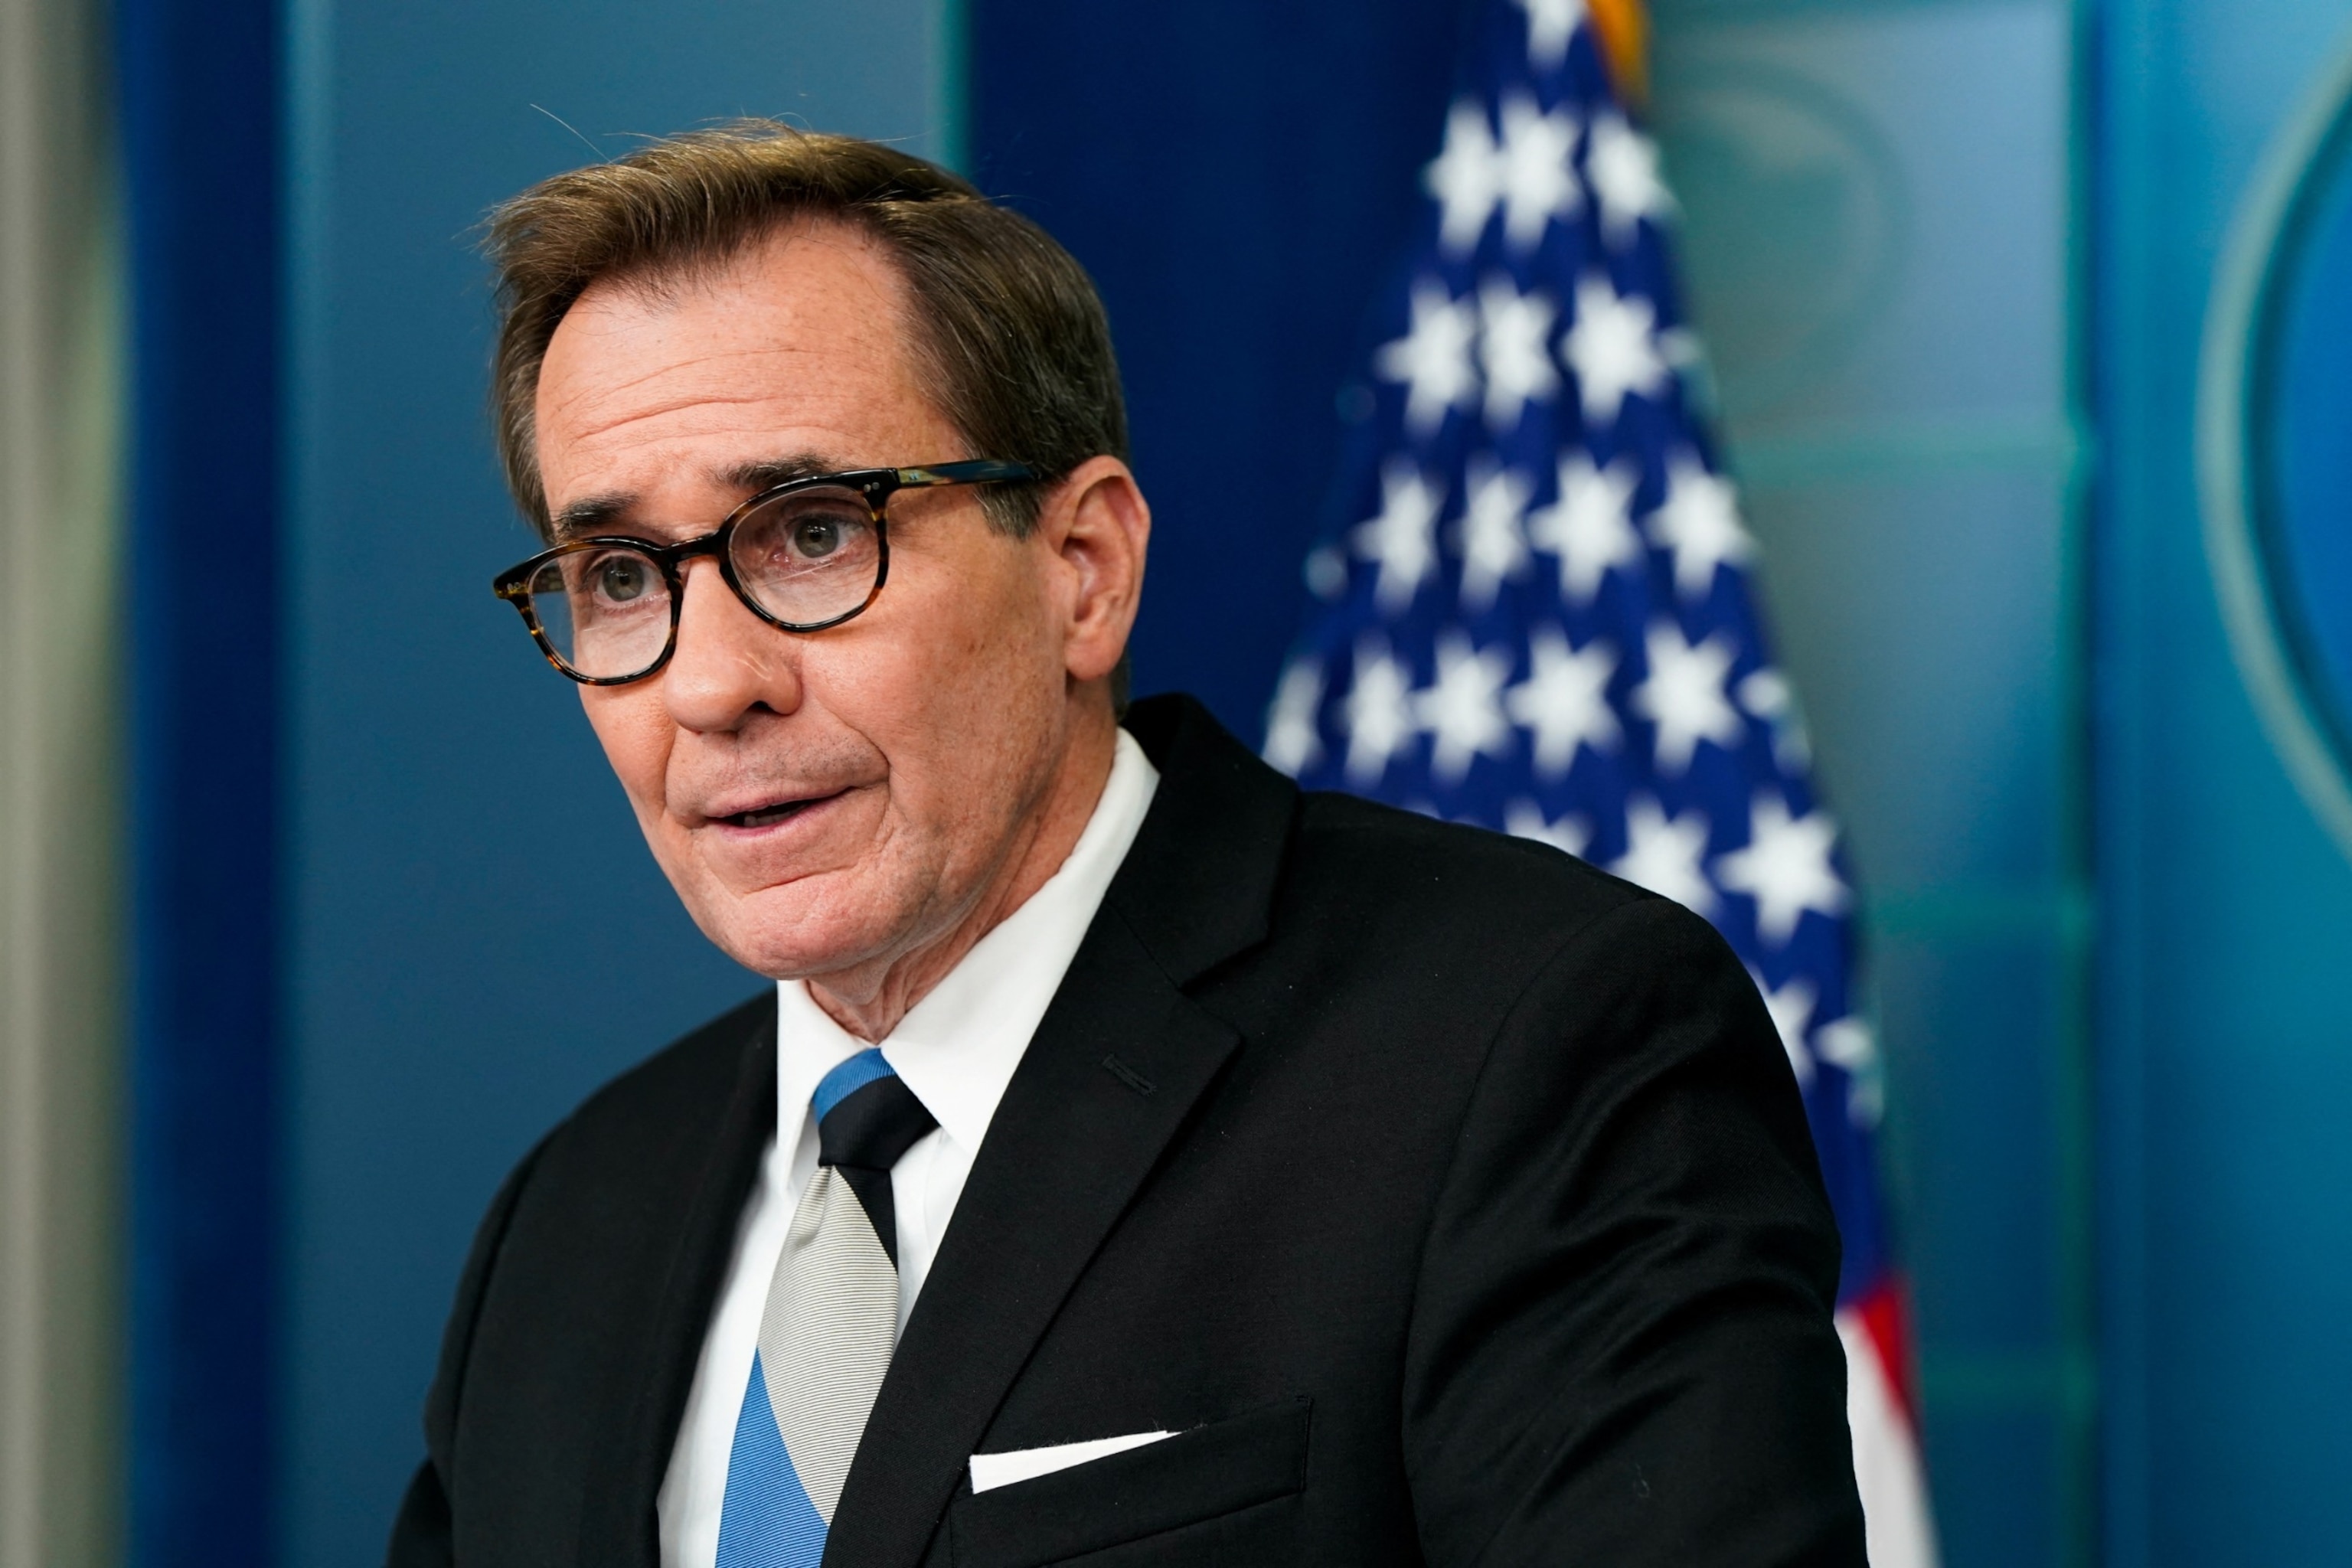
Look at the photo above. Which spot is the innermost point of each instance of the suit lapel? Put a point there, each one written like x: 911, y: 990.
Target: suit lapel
x: 618, y: 1522
x: 1115, y: 1069
x: 1069, y: 1146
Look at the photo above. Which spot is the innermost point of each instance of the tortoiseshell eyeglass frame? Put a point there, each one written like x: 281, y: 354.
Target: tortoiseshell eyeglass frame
x: 876, y: 485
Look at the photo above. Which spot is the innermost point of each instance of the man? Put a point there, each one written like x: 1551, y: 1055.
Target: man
x: 1137, y: 1162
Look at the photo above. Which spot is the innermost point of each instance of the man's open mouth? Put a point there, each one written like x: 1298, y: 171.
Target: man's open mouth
x: 778, y: 811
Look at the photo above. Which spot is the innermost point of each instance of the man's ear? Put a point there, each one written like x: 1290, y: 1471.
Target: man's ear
x: 1097, y: 527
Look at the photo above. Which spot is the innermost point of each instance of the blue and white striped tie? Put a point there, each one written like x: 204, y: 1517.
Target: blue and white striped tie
x: 827, y: 1332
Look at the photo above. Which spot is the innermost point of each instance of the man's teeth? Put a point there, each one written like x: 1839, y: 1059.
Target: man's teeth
x: 768, y: 814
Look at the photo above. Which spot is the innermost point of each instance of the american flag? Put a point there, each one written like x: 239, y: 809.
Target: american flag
x: 1536, y: 613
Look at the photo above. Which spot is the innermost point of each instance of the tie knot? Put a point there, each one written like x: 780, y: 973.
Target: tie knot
x: 866, y: 1115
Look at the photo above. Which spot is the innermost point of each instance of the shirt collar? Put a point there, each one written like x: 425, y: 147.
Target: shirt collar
x: 956, y: 1048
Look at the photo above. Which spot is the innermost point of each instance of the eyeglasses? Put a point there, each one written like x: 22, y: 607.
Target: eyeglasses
x: 807, y: 554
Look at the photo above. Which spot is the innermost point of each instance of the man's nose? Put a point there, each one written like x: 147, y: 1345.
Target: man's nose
x: 729, y: 662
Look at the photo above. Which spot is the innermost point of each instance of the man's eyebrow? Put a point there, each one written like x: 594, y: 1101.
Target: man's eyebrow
x: 603, y: 513
x: 590, y: 514
x: 767, y: 473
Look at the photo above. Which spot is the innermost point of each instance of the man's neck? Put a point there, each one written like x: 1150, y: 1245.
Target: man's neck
x: 872, y: 1010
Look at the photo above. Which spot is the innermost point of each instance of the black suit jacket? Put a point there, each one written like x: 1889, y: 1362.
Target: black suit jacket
x: 1451, y: 1200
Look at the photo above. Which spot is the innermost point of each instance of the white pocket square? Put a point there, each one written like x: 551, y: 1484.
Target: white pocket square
x: 990, y: 1471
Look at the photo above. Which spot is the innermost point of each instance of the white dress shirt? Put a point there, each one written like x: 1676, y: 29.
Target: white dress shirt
x: 956, y: 1050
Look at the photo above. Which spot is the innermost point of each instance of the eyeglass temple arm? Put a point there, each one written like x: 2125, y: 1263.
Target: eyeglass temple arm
x: 979, y: 471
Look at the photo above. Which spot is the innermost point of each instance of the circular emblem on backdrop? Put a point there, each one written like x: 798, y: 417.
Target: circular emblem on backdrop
x: 1806, y: 214
x: 2274, y: 446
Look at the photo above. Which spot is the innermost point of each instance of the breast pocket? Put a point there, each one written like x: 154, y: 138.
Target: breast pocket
x: 1182, y: 1486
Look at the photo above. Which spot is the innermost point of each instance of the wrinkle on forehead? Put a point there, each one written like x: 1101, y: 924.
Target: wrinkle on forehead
x: 595, y: 425
x: 714, y: 374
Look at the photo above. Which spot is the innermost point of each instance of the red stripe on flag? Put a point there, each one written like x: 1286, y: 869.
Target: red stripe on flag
x: 1885, y: 1315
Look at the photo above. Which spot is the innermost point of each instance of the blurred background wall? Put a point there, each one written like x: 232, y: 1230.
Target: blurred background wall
x: 2225, y: 893
x: 61, y: 952
x: 1957, y: 262
x: 1883, y: 213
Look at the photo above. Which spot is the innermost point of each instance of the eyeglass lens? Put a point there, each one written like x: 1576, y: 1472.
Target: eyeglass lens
x: 805, y: 558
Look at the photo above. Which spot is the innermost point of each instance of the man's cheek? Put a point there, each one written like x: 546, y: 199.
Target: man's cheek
x: 637, y: 745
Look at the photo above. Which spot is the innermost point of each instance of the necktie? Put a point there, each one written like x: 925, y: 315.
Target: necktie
x: 827, y: 1332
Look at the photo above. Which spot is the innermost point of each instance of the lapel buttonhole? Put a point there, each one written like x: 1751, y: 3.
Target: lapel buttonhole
x: 1130, y: 1077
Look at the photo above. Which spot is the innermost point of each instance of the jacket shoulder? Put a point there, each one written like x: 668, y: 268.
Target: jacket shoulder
x: 672, y: 1099
x: 599, y: 1180
x: 1353, y: 851
x: 562, y: 1303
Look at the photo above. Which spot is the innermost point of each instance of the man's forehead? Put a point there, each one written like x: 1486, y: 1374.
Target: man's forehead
x: 799, y: 287
x: 791, y: 361
x: 800, y: 306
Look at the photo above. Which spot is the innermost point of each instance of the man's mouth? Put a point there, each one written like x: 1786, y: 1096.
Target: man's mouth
x: 774, y: 812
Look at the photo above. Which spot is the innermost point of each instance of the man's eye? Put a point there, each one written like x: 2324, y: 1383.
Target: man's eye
x: 622, y: 578
x: 815, y: 537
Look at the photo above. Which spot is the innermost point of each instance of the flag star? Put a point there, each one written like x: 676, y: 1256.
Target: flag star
x: 1524, y: 819
x: 1590, y: 526
x: 1293, y: 743
x: 1699, y: 522
x: 1433, y: 359
x: 1621, y: 165
x: 1792, y: 1008
x: 1564, y: 702
x: 1551, y: 24
x: 1538, y: 182
x: 1681, y: 348
x: 1325, y: 571
x: 1493, y: 533
x: 1514, y: 350
x: 1850, y: 1045
x: 1379, y: 712
x: 1663, y: 854
x: 1403, y: 537
x: 1767, y: 694
x: 1462, y: 708
x: 1685, y: 697
x: 1466, y: 177
x: 1785, y: 868
x: 1612, y: 348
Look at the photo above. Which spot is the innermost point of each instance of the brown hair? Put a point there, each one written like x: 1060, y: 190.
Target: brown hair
x: 1008, y: 321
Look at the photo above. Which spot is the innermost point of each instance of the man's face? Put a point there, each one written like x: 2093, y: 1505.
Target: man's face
x: 830, y: 800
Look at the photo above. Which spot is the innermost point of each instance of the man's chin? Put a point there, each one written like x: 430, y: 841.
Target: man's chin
x: 804, y: 930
